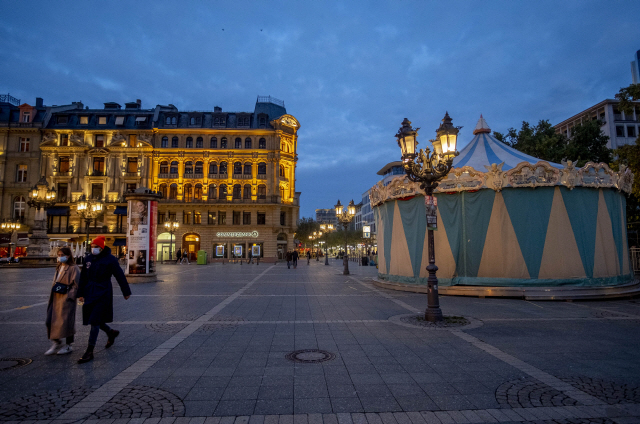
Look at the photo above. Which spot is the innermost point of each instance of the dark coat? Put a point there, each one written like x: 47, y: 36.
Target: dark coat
x: 294, y: 255
x: 61, y: 310
x: 95, y: 287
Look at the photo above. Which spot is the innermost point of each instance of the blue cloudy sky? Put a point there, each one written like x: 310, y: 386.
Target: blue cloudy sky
x: 350, y: 71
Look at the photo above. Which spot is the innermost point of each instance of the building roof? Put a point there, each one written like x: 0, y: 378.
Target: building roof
x: 389, y: 166
x: 485, y: 150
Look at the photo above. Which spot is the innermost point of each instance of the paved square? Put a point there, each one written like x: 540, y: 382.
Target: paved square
x: 217, y: 344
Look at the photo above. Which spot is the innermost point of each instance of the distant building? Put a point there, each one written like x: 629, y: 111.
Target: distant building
x: 326, y: 216
x: 390, y: 170
x: 635, y: 68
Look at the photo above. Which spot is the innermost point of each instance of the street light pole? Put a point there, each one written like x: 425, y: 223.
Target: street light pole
x: 345, y: 217
x: 428, y: 168
x: 88, y: 210
x: 327, y: 228
x: 171, y: 227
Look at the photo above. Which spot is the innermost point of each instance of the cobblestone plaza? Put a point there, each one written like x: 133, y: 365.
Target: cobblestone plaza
x: 247, y: 344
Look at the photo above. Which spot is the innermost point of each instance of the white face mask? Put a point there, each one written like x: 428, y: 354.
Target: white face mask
x: 96, y: 250
x: 63, y: 259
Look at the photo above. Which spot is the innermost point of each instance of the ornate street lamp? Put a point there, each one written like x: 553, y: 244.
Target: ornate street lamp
x: 327, y: 228
x: 41, y: 197
x: 345, y: 217
x: 171, y: 227
x: 316, y: 235
x: 88, y: 210
x: 427, y: 168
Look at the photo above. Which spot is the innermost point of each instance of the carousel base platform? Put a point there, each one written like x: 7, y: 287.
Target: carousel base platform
x: 527, y: 293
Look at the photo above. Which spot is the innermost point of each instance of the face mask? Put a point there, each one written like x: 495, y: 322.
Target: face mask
x: 96, y: 250
x: 63, y: 259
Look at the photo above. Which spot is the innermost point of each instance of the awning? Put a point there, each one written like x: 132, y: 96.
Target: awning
x: 120, y: 210
x: 120, y: 242
x: 58, y: 211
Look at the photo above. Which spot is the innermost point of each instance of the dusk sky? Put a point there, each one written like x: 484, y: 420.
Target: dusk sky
x: 349, y: 71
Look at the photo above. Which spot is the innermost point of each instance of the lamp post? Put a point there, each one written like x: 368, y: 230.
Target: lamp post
x: 88, y: 210
x: 345, y: 216
x: 171, y: 227
x: 41, y: 198
x: 327, y: 228
x: 316, y: 235
x: 427, y: 168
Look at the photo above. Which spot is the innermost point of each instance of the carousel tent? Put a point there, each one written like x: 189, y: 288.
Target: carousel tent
x: 506, y: 219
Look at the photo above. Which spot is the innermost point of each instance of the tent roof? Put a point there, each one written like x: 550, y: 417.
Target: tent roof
x: 485, y: 150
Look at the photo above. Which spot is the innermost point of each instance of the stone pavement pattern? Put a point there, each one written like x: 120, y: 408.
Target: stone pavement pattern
x: 217, y: 344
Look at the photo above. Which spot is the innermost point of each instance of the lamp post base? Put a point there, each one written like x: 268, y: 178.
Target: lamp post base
x: 433, y: 315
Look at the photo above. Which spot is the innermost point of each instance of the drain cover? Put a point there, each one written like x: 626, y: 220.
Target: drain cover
x: 11, y: 363
x: 310, y: 356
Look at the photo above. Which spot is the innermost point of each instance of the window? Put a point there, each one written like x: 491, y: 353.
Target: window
x: 99, y: 140
x: 165, y: 142
x: 244, y: 121
x: 197, y: 194
x: 133, y: 140
x: 247, y: 143
x: 119, y: 120
x: 631, y: 131
x: 262, y: 122
x: 282, y: 170
x: 223, y: 192
x: 262, y: 144
x: 198, y: 169
x: 262, y: 218
x: 188, y: 192
x: 62, y: 120
x: 62, y: 192
x: 283, y: 218
x: 197, y: 218
x: 64, y: 139
x: 174, y: 142
x: 194, y: 120
x: 24, y: 144
x: 237, y: 191
x: 173, y: 191
x: 167, y: 120
x: 161, y: 218
x: 98, y: 166
x: 223, y: 143
x: 26, y: 117
x: 247, y: 168
x: 189, y: 142
x: 96, y: 191
x: 63, y: 164
x: 21, y: 174
x: 262, y: 191
x: 238, y: 144
x: 174, y: 167
x: 222, y: 218
x: 211, y: 219
x: 236, y: 217
x: 186, y: 218
x: 262, y: 168
x: 199, y: 143
x: 237, y: 168
x: 223, y: 168
x: 246, y: 218
x: 188, y: 168
x: 213, y: 168
x: 246, y: 192
x: 129, y: 187
x: 212, y: 191
x: 619, y: 131
x: 132, y: 165
x: 213, y: 144
x: 84, y: 120
x: 19, y: 208
x: 102, y: 120
x: 163, y: 189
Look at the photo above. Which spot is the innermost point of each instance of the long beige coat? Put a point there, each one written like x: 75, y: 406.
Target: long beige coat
x: 61, y: 311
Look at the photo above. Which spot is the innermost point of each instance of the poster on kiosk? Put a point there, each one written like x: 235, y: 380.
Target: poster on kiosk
x: 141, y: 236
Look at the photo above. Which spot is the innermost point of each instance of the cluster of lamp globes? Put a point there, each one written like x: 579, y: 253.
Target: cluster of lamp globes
x: 89, y: 208
x: 444, y: 146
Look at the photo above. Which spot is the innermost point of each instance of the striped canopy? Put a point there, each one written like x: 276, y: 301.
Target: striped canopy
x: 485, y: 150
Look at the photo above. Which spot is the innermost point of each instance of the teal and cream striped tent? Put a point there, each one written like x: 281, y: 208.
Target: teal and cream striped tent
x: 517, y: 222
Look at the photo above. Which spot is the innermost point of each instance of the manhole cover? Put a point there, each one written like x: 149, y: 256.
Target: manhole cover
x: 607, y: 391
x: 310, y: 356
x: 11, y: 363
x: 141, y: 402
x: 530, y: 393
x: 41, y: 406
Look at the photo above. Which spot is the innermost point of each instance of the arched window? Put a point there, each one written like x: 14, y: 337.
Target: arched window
x: 262, y: 191
x: 174, y: 141
x: 237, y: 168
x: 262, y: 144
x: 174, y: 167
x: 237, y: 191
x: 188, y: 192
x: 262, y: 168
x: 212, y: 191
x: 164, y: 167
x: 223, y: 143
x: 246, y: 192
x: 174, y: 120
x: 173, y: 191
x: 213, y: 168
x: 238, y: 143
x: 199, y: 143
x: 189, y: 142
x: 247, y: 168
x: 197, y: 194
x: 247, y: 143
x: 165, y: 141
x: 198, y: 169
x: 192, y: 121
x: 163, y: 189
x: 282, y: 170
x: 167, y: 121
x: 223, y: 192
x: 213, y: 144
x: 19, y: 208
x: 223, y: 168
x: 188, y: 167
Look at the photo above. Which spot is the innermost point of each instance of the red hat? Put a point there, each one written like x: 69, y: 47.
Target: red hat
x: 98, y: 241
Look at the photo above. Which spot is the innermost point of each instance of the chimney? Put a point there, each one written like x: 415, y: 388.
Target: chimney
x: 139, y: 102
x: 39, y: 102
x: 217, y: 109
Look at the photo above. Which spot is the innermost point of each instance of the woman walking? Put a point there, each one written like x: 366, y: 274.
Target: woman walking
x: 96, y: 293
x: 61, y: 310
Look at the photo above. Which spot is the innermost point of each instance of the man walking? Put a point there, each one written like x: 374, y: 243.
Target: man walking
x: 295, y: 256
x: 178, y: 255
x: 308, y: 256
x: 289, y: 257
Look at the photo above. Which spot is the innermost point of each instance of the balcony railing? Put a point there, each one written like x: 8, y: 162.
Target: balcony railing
x: 131, y: 174
x: 172, y: 176
x: 242, y: 176
x: 265, y: 200
x: 262, y: 176
x: 218, y: 176
x: 8, y: 98
x: 193, y: 176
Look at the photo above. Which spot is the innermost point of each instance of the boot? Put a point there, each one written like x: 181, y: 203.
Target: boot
x: 87, y: 356
x: 112, y: 338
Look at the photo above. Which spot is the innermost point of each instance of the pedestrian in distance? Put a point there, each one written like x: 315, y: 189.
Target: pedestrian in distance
x: 96, y: 294
x: 178, y: 255
x: 289, y: 257
x: 61, y: 309
x: 308, y: 257
x: 294, y: 257
x: 185, y: 257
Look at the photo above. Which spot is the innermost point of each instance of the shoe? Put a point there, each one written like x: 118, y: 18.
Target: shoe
x: 112, y: 338
x: 53, y: 349
x: 88, y: 356
x: 66, y: 349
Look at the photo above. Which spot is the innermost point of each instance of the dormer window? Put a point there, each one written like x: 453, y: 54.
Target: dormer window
x: 119, y: 120
x: 171, y: 120
x: 84, y: 120
x: 141, y: 120
x: 244, y: 121
x: 62, y: 120
x: 262, y: 122
x: 195, y: 120
x: 219, y: 121
x: 102, y: 120
x: 26, y: 117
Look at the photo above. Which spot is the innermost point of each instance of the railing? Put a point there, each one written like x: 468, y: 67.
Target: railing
x: 262, y: 176
x: 242, y: 176
x: 168, y: 176
x: 269, y: 99
x: 635, y: 259
x: 193, y: 176
x: 131, y: 174
x: 218, y: 176
x: 8, y: 98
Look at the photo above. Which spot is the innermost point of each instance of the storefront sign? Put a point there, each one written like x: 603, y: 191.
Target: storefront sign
x: 255, y: 251
x: 237, y: 251
x: 366, y: 231
x: 254, y: 234
x: 220, y: 251
x: 431, y: 206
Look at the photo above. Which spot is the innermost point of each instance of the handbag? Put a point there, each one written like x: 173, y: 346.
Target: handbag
x: 60, y: 288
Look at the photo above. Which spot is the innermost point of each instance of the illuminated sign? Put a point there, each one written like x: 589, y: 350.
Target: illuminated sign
x: 254, y: 234
x: 366, y: 231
